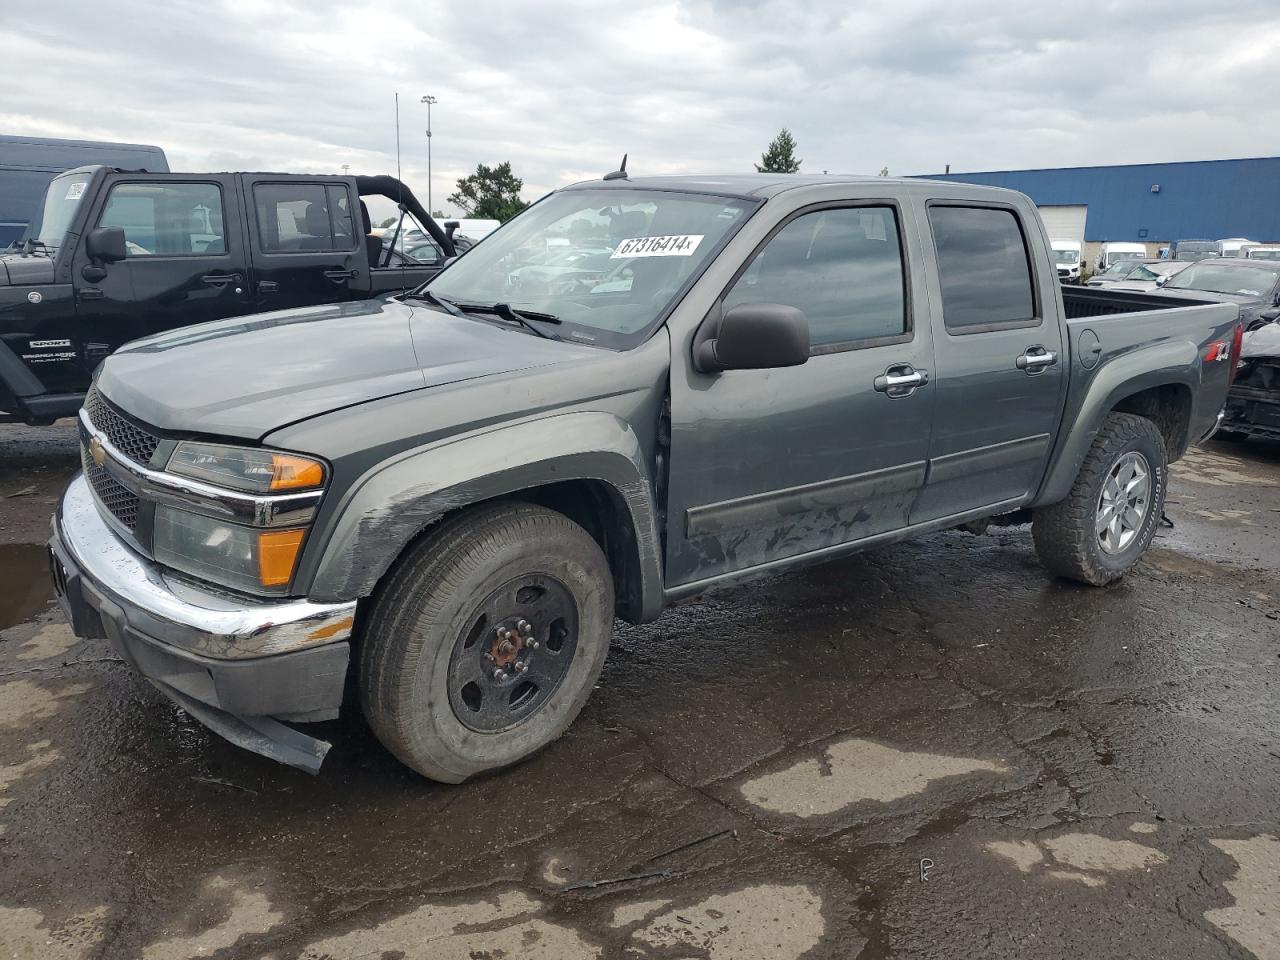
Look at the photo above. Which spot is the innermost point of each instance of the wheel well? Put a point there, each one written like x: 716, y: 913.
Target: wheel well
x: 600, y: 510
x: 1168, y: 406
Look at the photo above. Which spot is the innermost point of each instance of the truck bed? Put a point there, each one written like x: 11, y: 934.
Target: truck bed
x: 1082, y: 302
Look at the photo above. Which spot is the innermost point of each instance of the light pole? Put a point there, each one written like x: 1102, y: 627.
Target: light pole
x: 429, y: 100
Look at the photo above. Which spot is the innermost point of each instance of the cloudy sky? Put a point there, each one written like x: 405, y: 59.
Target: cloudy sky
x: 562, y: 89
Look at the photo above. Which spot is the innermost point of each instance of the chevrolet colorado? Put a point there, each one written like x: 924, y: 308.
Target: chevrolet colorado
x: 449, y: 501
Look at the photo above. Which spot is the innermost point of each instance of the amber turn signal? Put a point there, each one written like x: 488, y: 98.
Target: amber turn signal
x: 277, y: 555
x: 291, y: 472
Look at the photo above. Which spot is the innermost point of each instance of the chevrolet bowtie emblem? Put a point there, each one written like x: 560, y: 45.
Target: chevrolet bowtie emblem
x: 97, y: 452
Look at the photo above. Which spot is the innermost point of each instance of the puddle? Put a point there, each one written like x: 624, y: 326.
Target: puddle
x: 24, y: 571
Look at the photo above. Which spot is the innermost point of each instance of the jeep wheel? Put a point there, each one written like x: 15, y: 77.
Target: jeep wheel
x: 1110, y: 516
x: 485, y: 640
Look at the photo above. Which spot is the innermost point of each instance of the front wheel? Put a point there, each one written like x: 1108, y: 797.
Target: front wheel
x: 486, y: 640
x: 1110, y: 516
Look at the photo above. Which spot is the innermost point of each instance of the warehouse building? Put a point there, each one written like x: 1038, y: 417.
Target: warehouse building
x: 1151, y: 203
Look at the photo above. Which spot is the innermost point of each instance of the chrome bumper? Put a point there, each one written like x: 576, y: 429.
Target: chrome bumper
x: 172, y: 611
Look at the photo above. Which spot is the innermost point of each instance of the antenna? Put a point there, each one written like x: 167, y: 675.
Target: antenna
x: 620, y: 173
x: 400, y: 180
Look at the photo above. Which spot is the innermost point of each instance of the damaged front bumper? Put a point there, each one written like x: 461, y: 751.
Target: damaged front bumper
x: 238, y: 666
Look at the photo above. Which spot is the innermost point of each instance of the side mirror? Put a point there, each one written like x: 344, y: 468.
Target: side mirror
x: 752, y: 336
x: 106, y: 245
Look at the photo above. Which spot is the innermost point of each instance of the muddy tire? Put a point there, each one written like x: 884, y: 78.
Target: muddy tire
x: 1110, y: 516
x: 485, y: 640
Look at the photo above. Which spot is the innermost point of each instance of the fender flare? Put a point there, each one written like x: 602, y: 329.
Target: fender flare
x: 1171, y: 362
x: 394, y: 501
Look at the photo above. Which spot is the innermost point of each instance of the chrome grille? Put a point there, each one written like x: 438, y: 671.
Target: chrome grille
x: 129, y: 438
x: 118, y: 501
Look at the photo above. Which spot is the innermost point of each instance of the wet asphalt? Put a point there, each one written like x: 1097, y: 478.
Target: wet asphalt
x: 929, y: 750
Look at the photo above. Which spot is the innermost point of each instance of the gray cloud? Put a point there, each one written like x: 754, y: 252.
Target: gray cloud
x: 562, y: 89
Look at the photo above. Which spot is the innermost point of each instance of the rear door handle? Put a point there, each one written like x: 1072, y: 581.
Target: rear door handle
x: 900, y: 380
x: 341, y: 276
x: 1036, y: 359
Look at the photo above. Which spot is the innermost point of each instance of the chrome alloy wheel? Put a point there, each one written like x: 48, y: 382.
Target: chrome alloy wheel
x: 1123, y: 505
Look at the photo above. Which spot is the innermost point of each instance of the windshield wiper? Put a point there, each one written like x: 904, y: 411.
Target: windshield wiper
x: 530, y: 319
x: 430, y: 297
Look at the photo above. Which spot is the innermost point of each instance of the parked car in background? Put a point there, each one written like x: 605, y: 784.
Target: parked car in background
x: 1193, y: 250
x: 1066, y: 254
x: 1253, y: 403
x: 474, y: 228
x: 447, y: 498
x: 1111, y: 253
x: 1232, y: 246
x: 114, y: 255
x: 1137, y: 274
x: 1252, y: 284
x: 1259, y: 251
x: 27, y: 164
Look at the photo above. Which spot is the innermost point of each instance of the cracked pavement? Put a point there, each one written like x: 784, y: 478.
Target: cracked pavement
x: 929, y: 750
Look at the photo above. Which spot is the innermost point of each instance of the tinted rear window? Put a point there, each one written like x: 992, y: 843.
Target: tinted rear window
x: 983, y: 267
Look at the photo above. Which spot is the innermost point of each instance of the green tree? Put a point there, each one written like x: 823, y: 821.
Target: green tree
x: 781, y: 155
x: 491, y: 193
x: 389, y: 222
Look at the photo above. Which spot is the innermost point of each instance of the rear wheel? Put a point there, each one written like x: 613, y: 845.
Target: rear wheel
x: 486, y: 640
x: 1109, y: 519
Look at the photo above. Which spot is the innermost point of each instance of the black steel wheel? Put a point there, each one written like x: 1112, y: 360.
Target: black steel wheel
x: 484, y: 641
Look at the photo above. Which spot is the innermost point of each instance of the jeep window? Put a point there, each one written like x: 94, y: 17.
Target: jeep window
x: 841, y: 267
x: 167, y: 219
x: 983, y: 267
x: 61, y: 200
x: 608, y: 263
x: 303, y: 217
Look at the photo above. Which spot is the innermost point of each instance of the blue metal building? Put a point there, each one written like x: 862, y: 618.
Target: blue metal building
x: 1156, y: 202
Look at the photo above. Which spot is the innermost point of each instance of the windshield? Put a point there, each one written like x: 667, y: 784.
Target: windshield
x: 60, y: 202
x: 1265, y: 254
x: 1066, y: 257
x: 1226, y: 278
x: 1195, y: 250
x: 1119, y: 270
x: 608, y: 263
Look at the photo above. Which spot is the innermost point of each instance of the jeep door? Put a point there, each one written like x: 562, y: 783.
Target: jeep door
x: 771, y: 465
x: 306, y: 248
x: 185, y: 260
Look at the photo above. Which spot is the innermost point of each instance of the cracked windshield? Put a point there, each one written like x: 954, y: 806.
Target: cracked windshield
x: 609, y: 263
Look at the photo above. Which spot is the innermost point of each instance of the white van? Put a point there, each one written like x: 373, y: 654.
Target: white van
x: 1261, y: 251
x: 1112, y: 252
x: 1231, y: 247
x: 1067, y: 254
x: 472, y: 228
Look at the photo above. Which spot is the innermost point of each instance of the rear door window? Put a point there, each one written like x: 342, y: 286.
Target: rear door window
x: 167, y: 219
x: 984, y: 269
x: 303, y: 217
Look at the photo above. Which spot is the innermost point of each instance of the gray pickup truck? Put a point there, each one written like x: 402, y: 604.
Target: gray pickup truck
x: 446, y: 498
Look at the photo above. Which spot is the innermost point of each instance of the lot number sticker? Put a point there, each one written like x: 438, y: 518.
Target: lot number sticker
x: 681, y: 245
x: 76, y: 190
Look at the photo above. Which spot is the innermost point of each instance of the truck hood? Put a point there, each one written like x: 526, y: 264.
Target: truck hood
x: 250, y: 376
x: 19, y: 271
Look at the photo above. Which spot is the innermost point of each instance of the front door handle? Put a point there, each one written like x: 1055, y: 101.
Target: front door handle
x: 268, y: 286
x: 220, y: 279
x: 900, y: 380
x: 1036, y: 359
x: 341, y: 276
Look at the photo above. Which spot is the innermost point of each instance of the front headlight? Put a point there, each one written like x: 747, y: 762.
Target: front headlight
x: 251, y: 538
x: 246, y: 468
x: 243, y: 558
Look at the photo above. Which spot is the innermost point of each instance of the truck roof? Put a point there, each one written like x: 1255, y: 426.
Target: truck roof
x: 760, y: 184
